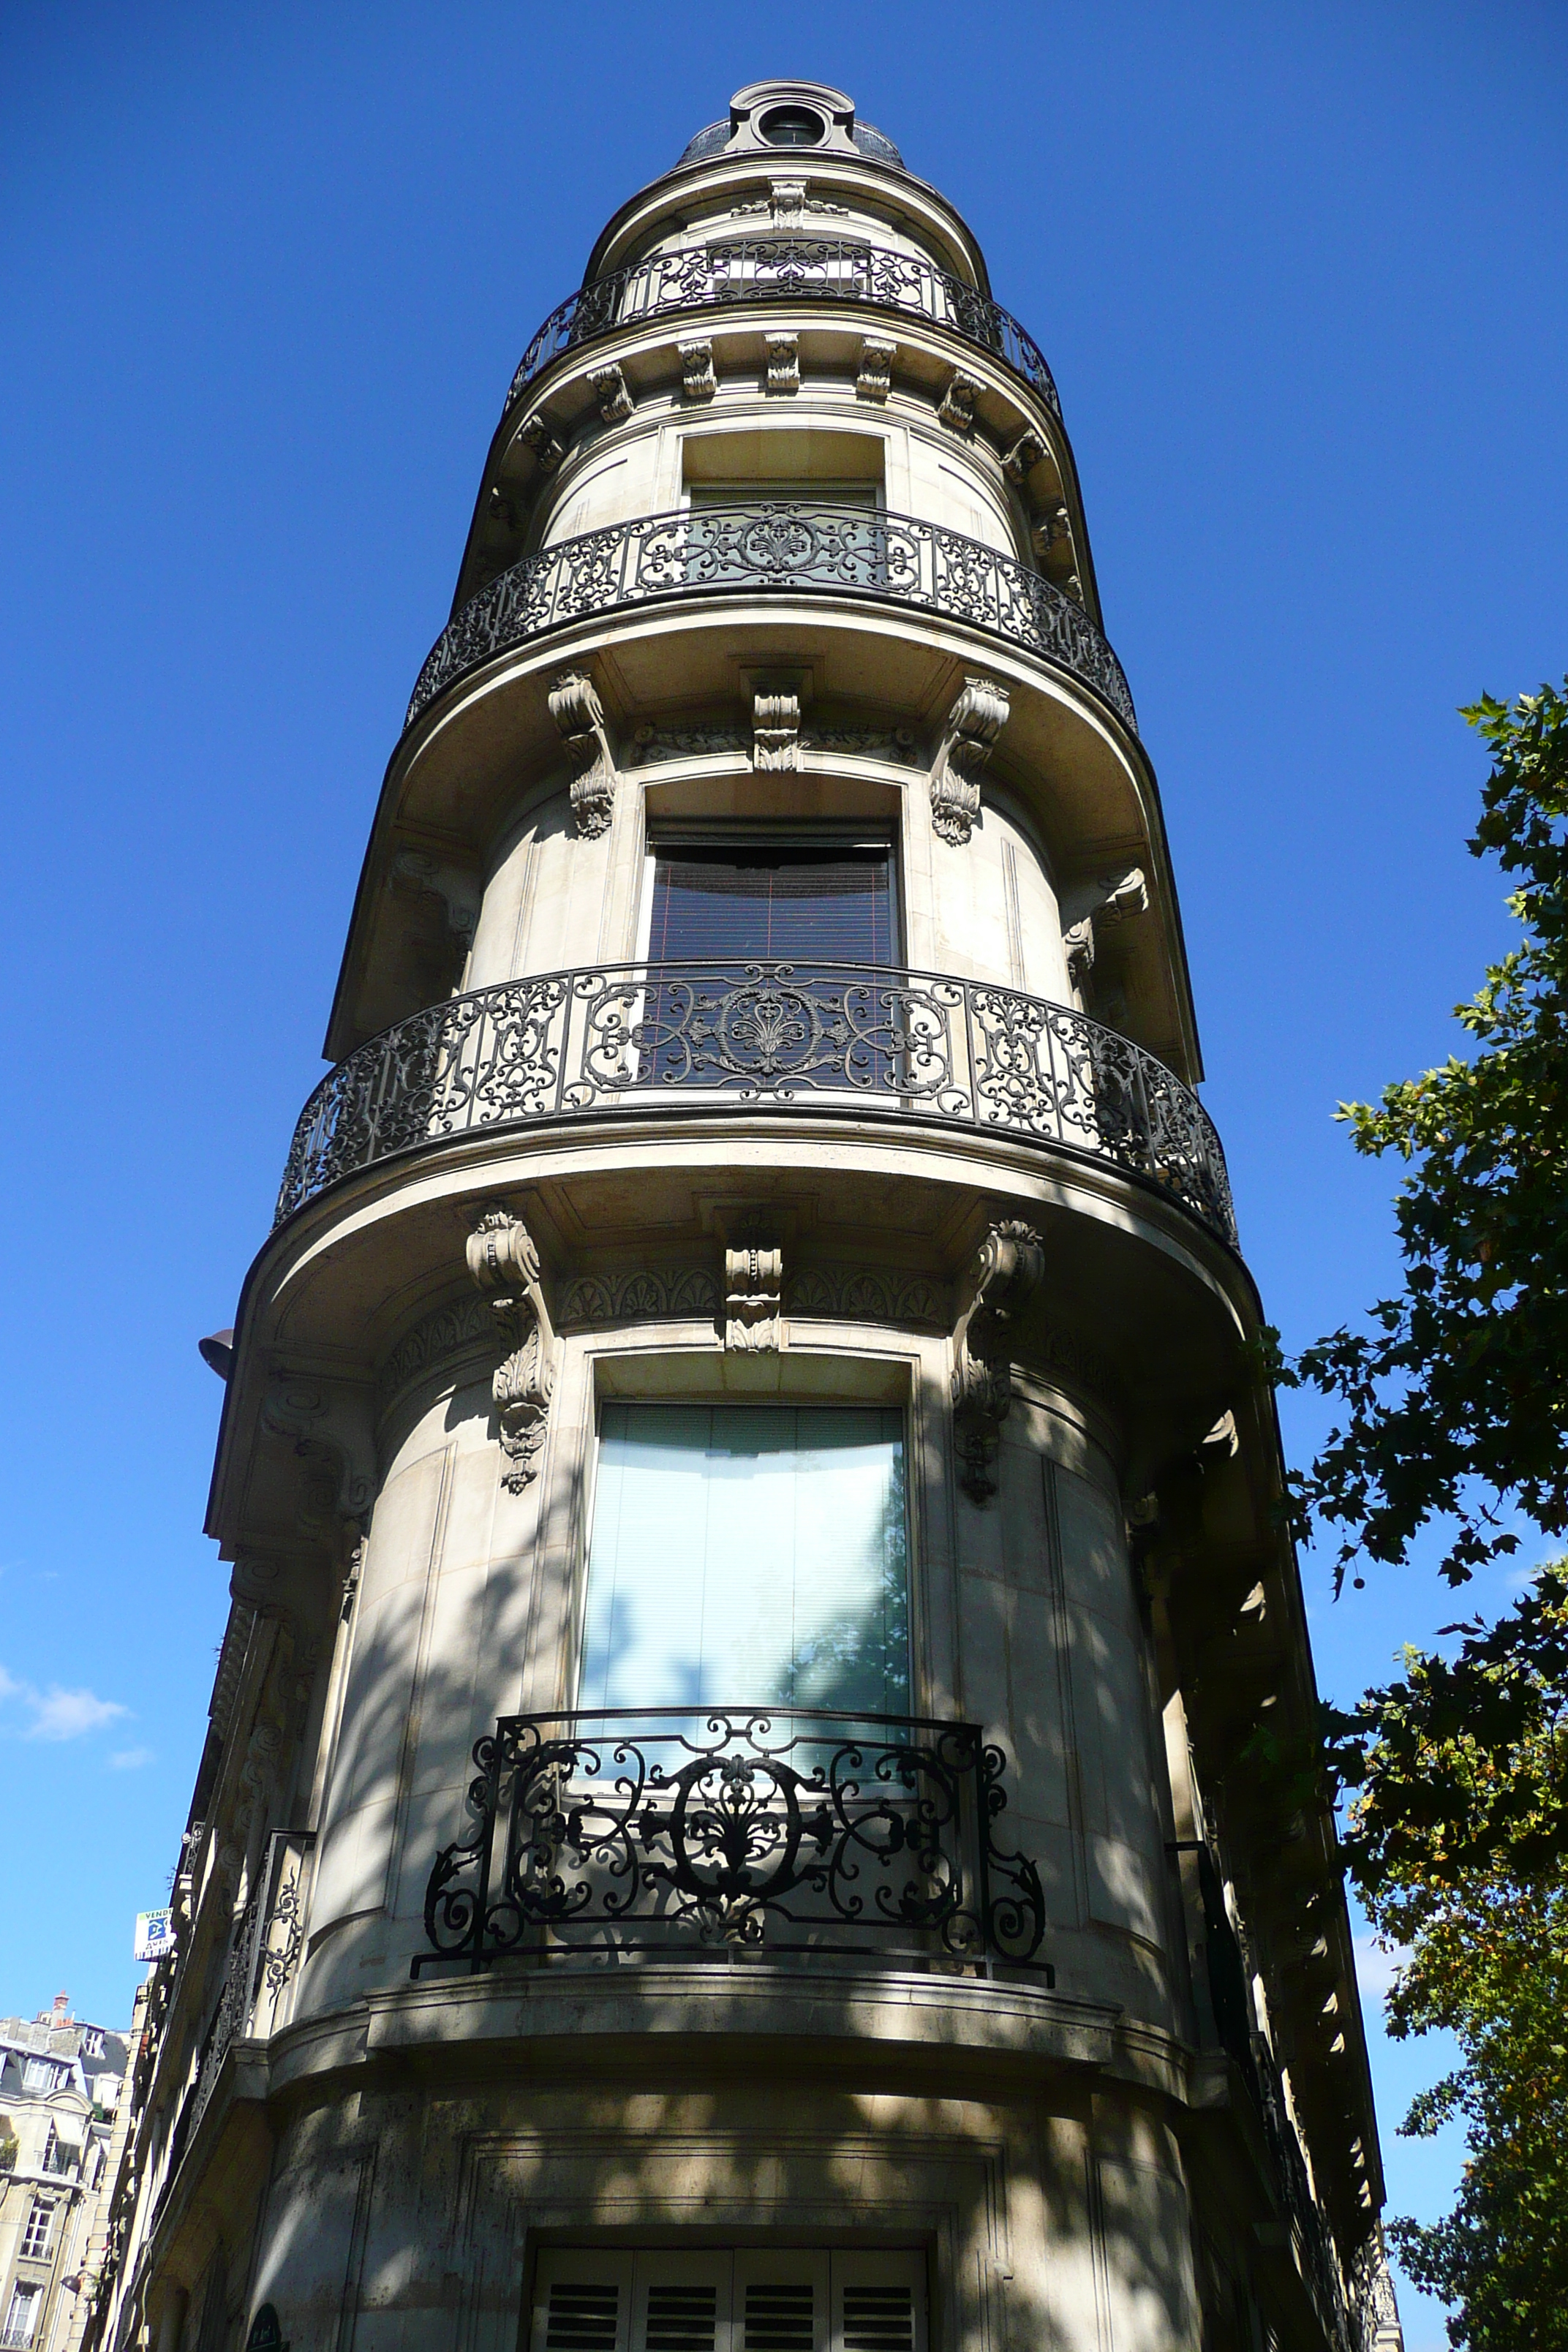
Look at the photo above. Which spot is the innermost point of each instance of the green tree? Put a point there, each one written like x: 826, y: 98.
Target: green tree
x: 1455, y: 1413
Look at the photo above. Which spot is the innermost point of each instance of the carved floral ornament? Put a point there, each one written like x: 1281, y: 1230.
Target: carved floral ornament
x: 973, y: 723
x: 505, y: 1265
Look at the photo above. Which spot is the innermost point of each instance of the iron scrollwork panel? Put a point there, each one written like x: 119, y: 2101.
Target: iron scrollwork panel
x: 778, y: 268
x: 789, y: 546
x: 751, y: 1829
x: 842, y: 1036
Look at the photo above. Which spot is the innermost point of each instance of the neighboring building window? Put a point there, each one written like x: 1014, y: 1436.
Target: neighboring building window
x: 22, y: 2318
x: 750, y: 2300
x: 748, y: 1556
x: 817, y: 904
x: 37, y: 2075
x: 36, y: 2236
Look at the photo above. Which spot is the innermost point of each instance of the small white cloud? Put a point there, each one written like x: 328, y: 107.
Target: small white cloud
x: 1376, y: 1966
x: 59, y: 1714
x: 130, y: 1759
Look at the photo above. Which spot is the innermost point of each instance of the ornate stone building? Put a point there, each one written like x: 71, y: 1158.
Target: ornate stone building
x: 61, y: 2121
x: 760, y: 1791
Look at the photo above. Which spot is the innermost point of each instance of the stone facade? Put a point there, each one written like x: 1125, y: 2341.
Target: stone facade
x: 62, y: 2122
x: 1020, y: 2011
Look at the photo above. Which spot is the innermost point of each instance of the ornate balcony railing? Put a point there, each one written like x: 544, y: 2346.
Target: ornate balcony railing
x: 788, y: 550
x: 705, y: 1038
x: 784, y: 268
x: 667, y: 1830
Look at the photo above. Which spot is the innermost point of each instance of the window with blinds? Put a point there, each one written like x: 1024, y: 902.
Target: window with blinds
x: 748, y: 2300
x: 748, y: 1556
x: 811, y: 905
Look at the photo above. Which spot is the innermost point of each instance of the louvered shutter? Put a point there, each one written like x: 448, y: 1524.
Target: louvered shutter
x: 879, y: 2303
x: 781, y: 2301
x: 581, y: 2302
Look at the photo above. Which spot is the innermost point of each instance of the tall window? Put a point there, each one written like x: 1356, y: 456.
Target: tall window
x: 22, y: 2317
x: 748, y: 1556
x: 774, y: 901
x: 749, y: 2300
x: 36, y: 2236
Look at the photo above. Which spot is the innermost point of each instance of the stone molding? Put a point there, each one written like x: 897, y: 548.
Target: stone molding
x: 854, y: 1294
x: 462, y: 1328
x: 678, y: 1294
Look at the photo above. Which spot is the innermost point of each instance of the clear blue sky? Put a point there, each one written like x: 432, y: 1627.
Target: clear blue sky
x: 265, y: 272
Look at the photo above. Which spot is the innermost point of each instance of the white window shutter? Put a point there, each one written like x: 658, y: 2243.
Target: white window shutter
x: 879, y: 2303
x: 681, y: 2303
x: 581, y: 2302
x: 782, y: 2302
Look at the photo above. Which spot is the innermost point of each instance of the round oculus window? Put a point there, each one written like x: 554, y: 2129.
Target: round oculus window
x: 792, y: 126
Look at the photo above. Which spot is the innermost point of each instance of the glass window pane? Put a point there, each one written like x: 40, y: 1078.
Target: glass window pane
x: 748, y: 1556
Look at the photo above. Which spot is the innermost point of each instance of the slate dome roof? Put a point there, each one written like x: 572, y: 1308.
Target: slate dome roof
x: 873, y: 145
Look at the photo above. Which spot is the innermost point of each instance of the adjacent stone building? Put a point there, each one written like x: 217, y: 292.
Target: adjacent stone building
x: 759, y: 1794
x: 60, y: 2099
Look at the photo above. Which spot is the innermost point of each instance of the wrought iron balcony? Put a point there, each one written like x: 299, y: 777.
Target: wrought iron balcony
x: 784, y: 268
x: 708, y: 1038
x: 786, y: 549
x: 679, y: 1830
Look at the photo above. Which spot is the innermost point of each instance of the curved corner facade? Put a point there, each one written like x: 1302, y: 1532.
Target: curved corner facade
x: 754, y: 1800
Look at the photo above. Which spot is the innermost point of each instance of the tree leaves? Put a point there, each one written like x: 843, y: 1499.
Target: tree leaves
x: 1457, y: 1398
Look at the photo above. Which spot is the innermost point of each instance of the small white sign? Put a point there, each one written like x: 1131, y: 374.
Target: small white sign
x: 154, y: 1934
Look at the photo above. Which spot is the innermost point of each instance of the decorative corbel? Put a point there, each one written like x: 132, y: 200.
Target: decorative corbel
x: 788, y: 202
x: 538, y: 434
x: 1050, y: 529
x: 327, y: 1426
x: 753, y: 1290
x: 579, y: 714
x: 1089, y: 907
x: 416, y: 871
x: 976, y: 718
x: 873, y: 380
x: 504, y: 1264
x: 1008, y: 1269
x: 775, y: 731
x: 697, y: 379
x: 783, y: 363
x: 611, y: 392
x: 1023, y: 456
x: 956, y: 410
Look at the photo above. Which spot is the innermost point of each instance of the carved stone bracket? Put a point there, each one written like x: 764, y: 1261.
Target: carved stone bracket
x: 1023, y: 456
x: 1089, y: 907
x: 1008, y: 1269
x: 415, y: 871
x: 697, y: 379
x: 327, y: 1426
x: 539, y: 434
x: 504, y: 1263
x: 788, y: 202
x: 783, y: 363
x: 579, y: 714
x: 613, y: 394
x: 753, y: 1290
x: 775, y: 731
x: 976, y: 718
x: 874, y: 379
x: 956, y: 410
